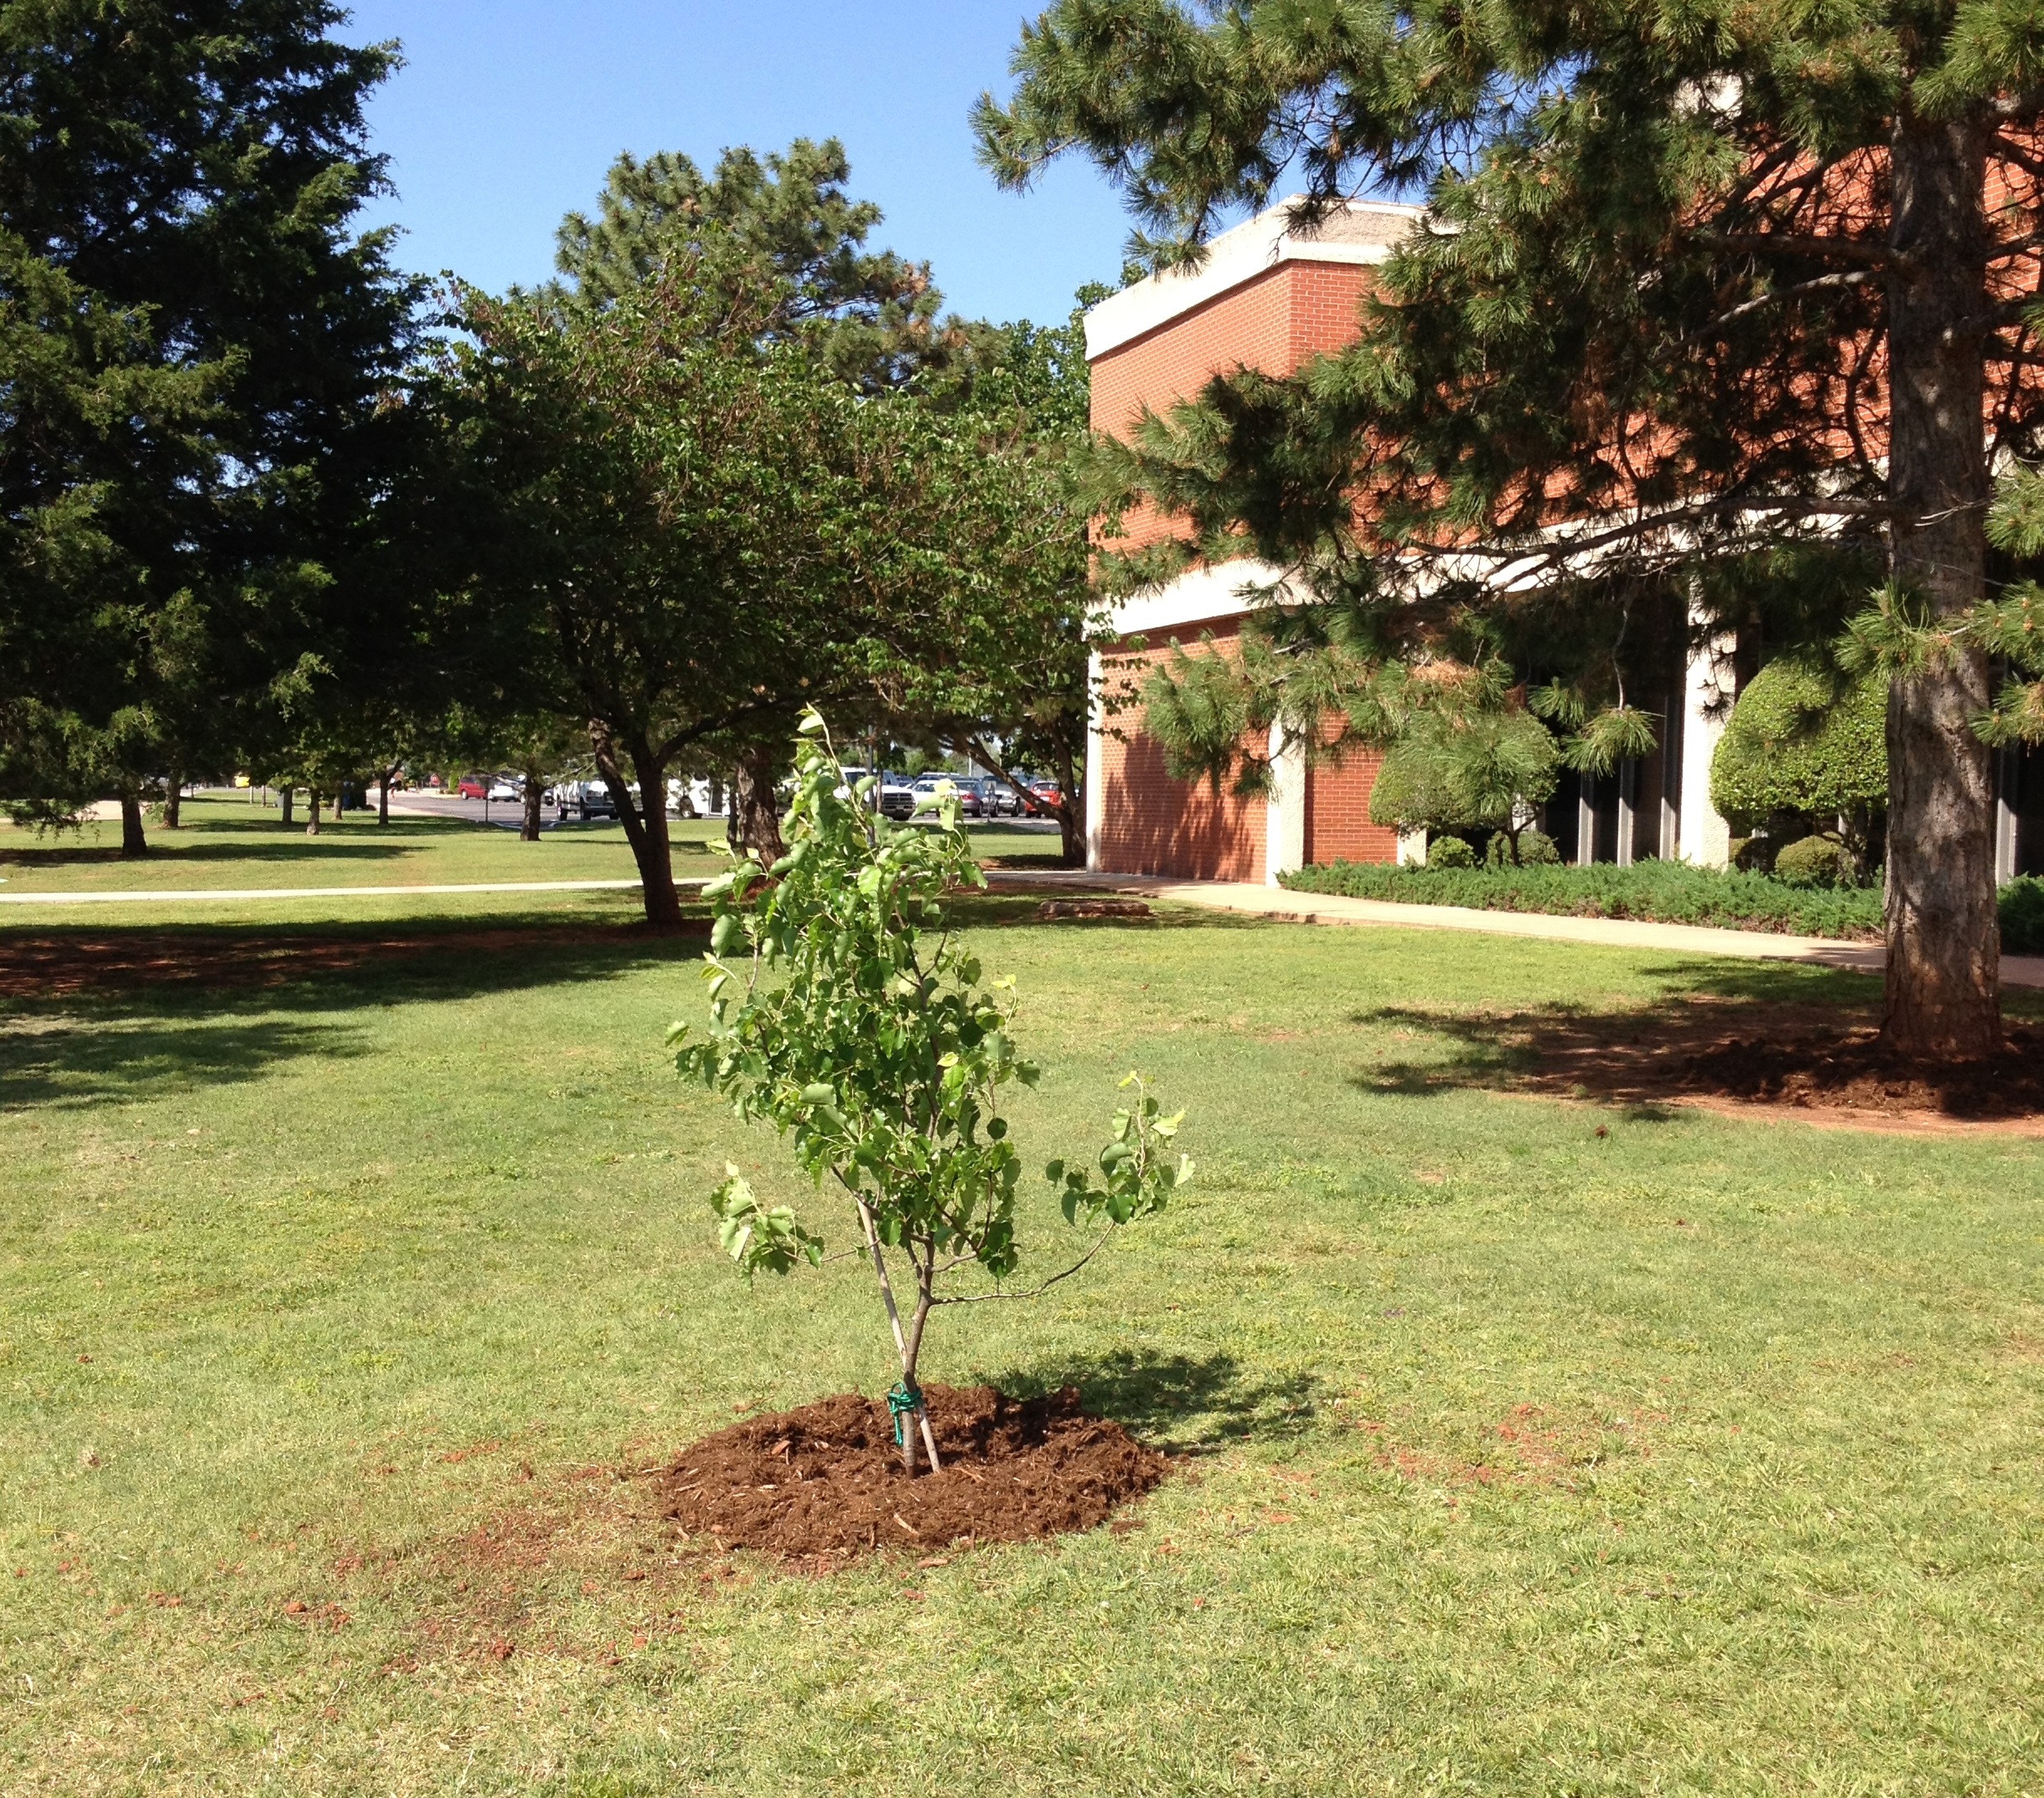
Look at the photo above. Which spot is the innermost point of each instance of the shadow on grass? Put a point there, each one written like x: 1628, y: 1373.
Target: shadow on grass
x: 70, y: 1066
x: 1637, y: 1056
x: 96, y: 1016
x: 1194, y: 1404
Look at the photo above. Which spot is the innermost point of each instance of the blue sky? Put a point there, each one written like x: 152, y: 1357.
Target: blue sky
x: 509, y: 111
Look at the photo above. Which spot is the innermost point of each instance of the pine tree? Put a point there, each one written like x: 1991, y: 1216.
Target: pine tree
x: 178, y: 180
x: 1719, y: 277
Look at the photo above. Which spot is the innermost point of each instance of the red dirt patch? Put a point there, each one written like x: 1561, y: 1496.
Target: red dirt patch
x: 826, y: 1481
x: 1853, y: 1071
x: 1051, y: 911
x: 56, y: 965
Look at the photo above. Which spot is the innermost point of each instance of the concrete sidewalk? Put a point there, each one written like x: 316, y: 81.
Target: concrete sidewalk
x: 1623, y: 933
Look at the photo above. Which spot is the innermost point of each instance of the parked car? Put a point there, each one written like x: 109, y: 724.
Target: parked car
x: 997, y: 798
x: 971, y: 803
x: 585, y: 799
x: 897, y: 796
x: 472, y: 787
x: 504, y: 790
x: 1042, y: 797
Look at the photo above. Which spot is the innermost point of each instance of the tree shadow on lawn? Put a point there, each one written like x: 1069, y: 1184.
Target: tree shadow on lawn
x: 249, y: 839
x: 1190, y: 1404
x: 95, y: 1015
x: 1762, y: 1033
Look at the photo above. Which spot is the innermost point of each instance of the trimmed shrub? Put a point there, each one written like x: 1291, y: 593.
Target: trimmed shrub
x: 1815, y: 861
x: 1450, y: 773
x: 1449, y: 851
x: 1802, y: 740
x: 1536, y: 849
x: 2022, y: 916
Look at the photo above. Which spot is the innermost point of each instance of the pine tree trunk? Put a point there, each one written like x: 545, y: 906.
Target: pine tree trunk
x: 755, y: 814
x: 1943, y: 949
x: 173, y: 801
x: 134, y: 843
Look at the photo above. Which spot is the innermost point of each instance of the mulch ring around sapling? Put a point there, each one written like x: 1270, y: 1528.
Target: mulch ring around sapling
x: 826, y: 1480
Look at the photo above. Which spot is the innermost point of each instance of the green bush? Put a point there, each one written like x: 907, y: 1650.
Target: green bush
x: 1816, y: 862
x: 1454, y: 772
x: 1536, y: 849
x: 1449, y: 851
x: 1802, y: 740
x: 2022, y: 917
x: 1664, y: 892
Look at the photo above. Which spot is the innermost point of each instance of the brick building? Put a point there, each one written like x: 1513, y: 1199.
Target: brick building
x: 1269, y: 297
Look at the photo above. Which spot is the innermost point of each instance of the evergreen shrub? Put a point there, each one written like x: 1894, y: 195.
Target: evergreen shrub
x: 1816, y: 862
x: 1664, y: 892
x: 1802, y: 740
x: 1449, y: 851
x: 1536, y: 849
x: 2022, y: 917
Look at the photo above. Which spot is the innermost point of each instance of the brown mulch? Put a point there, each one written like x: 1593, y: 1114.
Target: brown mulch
x: 53, y: 966
x: 826, y: 1480
x: 1051, y: 910
x: 1810, y: 1058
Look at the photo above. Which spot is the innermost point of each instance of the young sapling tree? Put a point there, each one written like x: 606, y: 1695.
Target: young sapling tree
x: 846, y: 1010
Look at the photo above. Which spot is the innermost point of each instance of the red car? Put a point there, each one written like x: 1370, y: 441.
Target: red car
x: 474, y: 786
x: 1043, y: 797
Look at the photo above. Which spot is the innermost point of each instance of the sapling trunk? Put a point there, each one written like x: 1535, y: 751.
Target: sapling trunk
x: 907, y: 1346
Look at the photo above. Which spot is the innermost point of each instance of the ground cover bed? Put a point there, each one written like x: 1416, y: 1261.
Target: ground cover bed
x: 1658, y: 892
x: 1527, y: 1433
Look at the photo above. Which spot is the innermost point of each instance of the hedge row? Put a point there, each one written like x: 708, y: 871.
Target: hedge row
x: 1659, y: 892
x: 1663, y: 891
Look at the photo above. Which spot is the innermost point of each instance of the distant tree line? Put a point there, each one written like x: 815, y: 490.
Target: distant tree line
x: 268, y: 504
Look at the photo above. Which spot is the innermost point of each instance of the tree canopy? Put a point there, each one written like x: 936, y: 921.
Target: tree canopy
x: 1690, y: 283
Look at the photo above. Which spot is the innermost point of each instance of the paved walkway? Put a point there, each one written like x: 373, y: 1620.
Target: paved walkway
x: 157, y: 896
x: 1328, y: 907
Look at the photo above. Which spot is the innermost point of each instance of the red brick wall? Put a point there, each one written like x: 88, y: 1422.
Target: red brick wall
x: 1338, y: 823
x: 1272, y: 322
x: 1152, y: 824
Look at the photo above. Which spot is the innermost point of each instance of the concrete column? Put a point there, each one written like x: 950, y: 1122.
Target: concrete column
x: 1629, y: 795
x: 1284, y: 834
x: 1096, y: 763
x: 2008, y: 771
x: 1703, y: 837
x: 1669, y: 825
x: 1411, y: 848
x: 1586, y: 820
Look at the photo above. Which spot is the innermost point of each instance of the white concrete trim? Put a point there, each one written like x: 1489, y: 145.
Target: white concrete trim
x: 1284, y: 832
x: 1206, y: 595
x: 1702, y: 836
x: 1096, y: 760
x: 1363, y: 231
x: 1412, y: 847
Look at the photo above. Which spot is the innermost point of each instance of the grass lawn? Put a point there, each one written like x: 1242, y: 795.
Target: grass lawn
x: 1530, y: 1447
x: 230, y: 842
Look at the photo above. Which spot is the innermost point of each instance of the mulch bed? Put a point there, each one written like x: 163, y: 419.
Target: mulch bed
x: 826, y: 1481
x: 1854, y: 1072
x: 1809, y: 1058
x: 1051, y: 910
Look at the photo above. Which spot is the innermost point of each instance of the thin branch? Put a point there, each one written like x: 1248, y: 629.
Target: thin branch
x: 1857, y: 277
x: 980, y: 1298
x: 1795, y: 243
